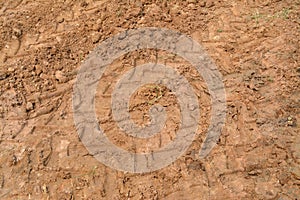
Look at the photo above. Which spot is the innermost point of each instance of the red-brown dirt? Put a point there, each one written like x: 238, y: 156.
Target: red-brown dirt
x: 255, y: 45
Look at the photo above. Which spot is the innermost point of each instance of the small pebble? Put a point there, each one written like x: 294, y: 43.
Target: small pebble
x: 192, y: 1
x: 29, y: 106
x: 10, y: 69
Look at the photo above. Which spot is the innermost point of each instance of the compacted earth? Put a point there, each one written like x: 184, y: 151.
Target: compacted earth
x: 255, y: 45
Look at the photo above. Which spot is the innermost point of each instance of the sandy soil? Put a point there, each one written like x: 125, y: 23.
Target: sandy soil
x: 255, y: 45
